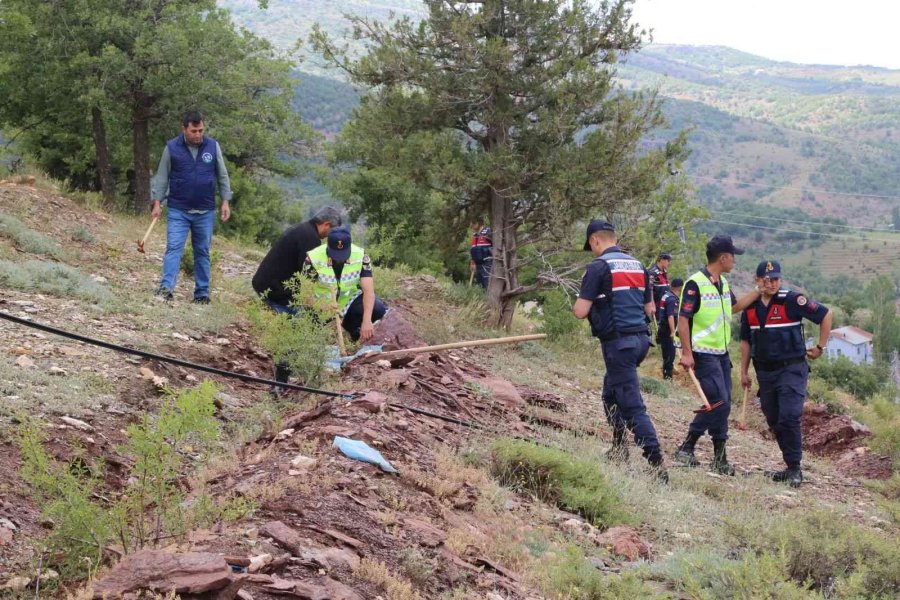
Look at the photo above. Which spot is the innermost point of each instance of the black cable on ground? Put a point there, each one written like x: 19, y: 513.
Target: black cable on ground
x: 169, y: 359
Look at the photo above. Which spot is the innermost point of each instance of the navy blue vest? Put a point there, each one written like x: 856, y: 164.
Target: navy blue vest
x: 779, y: 337
x: 623, y: 310
x: 192, y: 182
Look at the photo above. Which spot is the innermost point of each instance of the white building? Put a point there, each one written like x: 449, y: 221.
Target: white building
x: 852, y: 342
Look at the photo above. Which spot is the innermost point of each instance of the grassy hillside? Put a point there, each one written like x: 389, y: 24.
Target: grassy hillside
x: 476, y: 513
x: 815, y: 146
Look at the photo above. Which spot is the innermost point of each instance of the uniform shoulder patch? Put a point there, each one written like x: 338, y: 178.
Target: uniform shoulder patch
x: 801, y: 300
x: 366, y: 260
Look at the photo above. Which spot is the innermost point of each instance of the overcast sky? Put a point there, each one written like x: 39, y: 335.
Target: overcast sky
x: 836, y: 32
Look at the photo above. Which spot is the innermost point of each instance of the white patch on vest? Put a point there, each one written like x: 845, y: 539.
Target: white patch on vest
x: 207, y: 157
x: 628, y: 266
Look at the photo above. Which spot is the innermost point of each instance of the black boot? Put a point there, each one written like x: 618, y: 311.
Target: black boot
x: 619, y: 450
x: 793, y: 476
x: 658, y: 471
x: 282, y: 374
x: 685, y: 452
x: 720, y: 463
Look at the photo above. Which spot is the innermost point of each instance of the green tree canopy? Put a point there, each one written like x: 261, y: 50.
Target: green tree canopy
x: 504, y: 108
x: 92, y: 89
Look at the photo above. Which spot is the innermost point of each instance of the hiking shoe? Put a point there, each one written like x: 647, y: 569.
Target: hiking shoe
x: 720, y: 462
x: 793, y: 476
x: 165, y: 294
x: 687, y: 458
x: 201, y: 300
x: 722, y: 467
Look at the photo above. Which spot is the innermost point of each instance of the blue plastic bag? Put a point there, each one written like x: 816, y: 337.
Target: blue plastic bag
x: 358, y: 450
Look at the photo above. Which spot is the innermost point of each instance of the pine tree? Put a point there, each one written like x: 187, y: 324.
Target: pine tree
x: 504, y: 108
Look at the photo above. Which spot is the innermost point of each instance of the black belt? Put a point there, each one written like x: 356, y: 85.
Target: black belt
x: 772, y: 365
x: 616, y: 335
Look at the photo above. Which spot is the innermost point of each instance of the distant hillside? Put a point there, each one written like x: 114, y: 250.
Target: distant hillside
x: 789, y: 157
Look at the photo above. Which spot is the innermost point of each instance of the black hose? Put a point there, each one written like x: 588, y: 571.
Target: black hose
x: 169, y: 359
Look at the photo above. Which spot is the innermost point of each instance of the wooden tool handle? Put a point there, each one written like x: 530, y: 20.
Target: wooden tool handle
x: 470, y: 344
x: 149, y: 229
x: 699, y: 388
x: 744, y: 406
x: 340, y: 331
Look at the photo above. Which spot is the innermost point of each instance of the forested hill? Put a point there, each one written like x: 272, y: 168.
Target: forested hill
x: 778, y: 149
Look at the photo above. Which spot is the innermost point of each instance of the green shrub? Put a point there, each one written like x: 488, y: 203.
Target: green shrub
x: 557, y: 478
x: 863, y: 381
x: 709, y: 576
x: 151, y: 508
x: 27, y: 239
x: 889, y: 491
x: 652, y: 385
x: 558, y: 322
x: 818, y: 391
x: 187, y: 259
x: 304, y: 341
x: 53, y: 278
x: 569, y: 575
x: 80, y: 233
x: 827, y: 551
x: 882, y: 416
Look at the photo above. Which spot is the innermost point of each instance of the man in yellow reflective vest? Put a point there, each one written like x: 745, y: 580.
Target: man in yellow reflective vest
x: 342, y: 281
x: 704, y: 328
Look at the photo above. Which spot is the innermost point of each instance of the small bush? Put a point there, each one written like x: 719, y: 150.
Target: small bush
x: 82, y: 234
x: 153, y: 505
x: 825, y: 550
x: 863, y: 381
x: 569, y: 575
x: 818, y: 391
x: 27, y: 239
x: 652, y: 385
x: 882, y: 416
x: 53, y: 278
x: 378, y: 573
x: 710, y: 576
x: 557, y: 478
x: 187, y: 259
x: 302, y: 341
x: 558, y: 322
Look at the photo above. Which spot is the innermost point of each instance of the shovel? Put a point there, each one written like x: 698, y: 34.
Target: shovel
x: 140, y: 244
x: 707, y: 407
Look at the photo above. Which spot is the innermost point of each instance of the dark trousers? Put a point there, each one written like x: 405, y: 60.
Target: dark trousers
x: 621, y: 396
x: 354, y: 316
x: 483, y: 272
x: 667, y: 345
x: 781, y: 396
x: 714, y: 373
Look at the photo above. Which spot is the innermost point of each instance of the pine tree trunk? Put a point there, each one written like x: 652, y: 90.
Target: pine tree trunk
x: 104, y: 166
x: 141, y: 150
x: 504, y: 276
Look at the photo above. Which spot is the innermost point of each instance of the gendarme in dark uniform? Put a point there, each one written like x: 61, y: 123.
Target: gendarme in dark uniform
x: 772, y: 337
x: 659, y: 276
x: 667, y: 320
x: 615, y: 296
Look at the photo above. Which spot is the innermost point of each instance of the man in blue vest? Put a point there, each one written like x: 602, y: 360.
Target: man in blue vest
x: 191, y: 168
x: 616, y: 298
x: 666, y: 318
x: 704, y: 328
x: 772, y: 336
